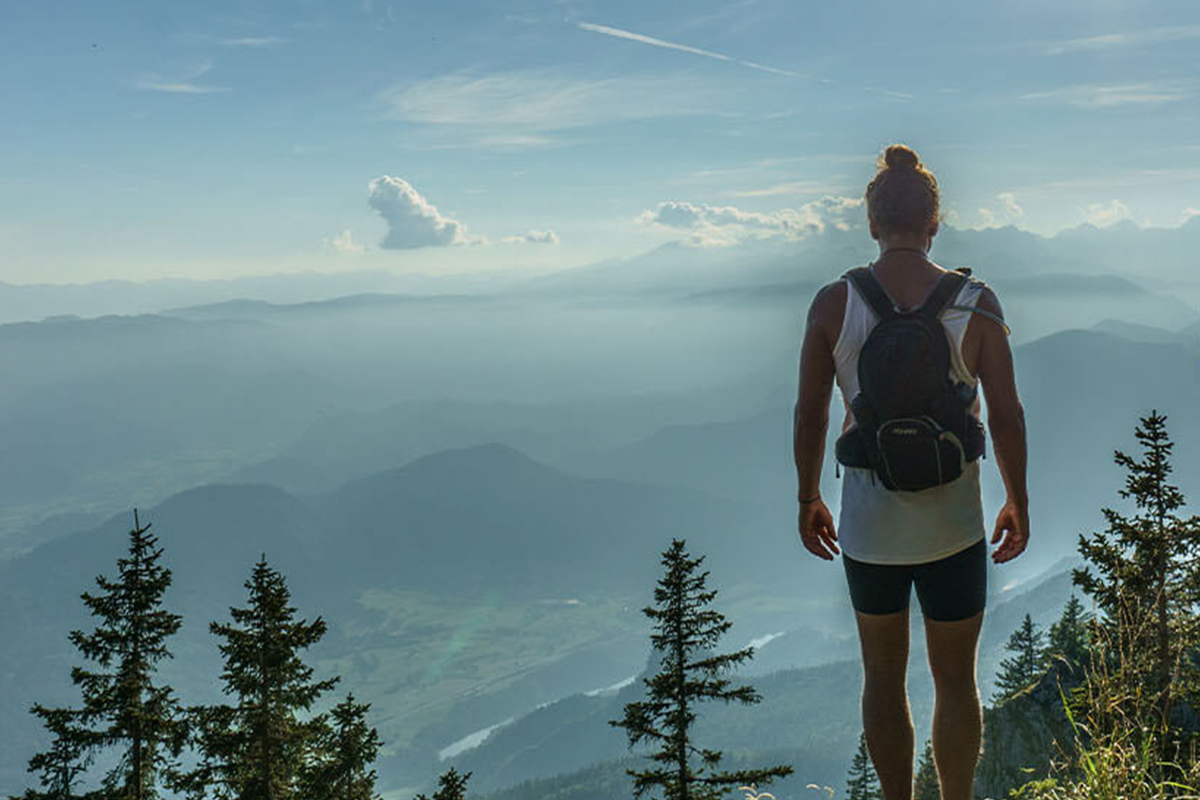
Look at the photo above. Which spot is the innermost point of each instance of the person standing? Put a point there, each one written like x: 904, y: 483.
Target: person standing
x: 911, y: 512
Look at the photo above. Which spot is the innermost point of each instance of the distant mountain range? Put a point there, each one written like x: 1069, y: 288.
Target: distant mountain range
x: 1157, y: 256
x: 485, y: 528
x: 477, y: 528
x: 809, y: 715
x: 472, y: 481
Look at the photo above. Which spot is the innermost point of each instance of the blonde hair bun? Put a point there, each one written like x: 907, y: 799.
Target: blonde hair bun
x: 903, y: 195
x: 900, y: 156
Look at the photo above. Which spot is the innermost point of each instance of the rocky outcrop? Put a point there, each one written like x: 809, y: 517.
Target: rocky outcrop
x: 1023, y: 733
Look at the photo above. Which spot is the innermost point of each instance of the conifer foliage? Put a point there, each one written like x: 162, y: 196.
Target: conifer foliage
x: 124, y: 712
x: 258, y: 747
x: 61, y: 766
x: 1145, y: 578
x: 1069, y: 635
x: 1025, y: 666
x: 862, y: 783
x: 452, y: 785
x: 685, y: 632
x: 925, y: 786
x: 343, y: 750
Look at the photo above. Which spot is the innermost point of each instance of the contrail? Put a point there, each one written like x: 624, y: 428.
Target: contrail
x: 637, y: 37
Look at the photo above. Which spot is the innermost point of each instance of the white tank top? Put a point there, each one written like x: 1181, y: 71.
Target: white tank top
x: 880, y: 526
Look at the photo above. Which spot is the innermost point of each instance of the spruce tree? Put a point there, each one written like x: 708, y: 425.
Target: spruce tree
x: 452, y: 785
x: 1027, y: 663
x: 123, y: 709
x: 685, y: 632
x: 61, y: 766
x: 925, y: 786
x: 343, y: 750
x: 861, y: 782
x: 257, y: 747
x: 1069, y: 635
x: 1144, y: 576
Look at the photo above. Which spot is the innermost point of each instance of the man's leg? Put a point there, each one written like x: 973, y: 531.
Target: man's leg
x: 886, y: 719
x: 957, y: 717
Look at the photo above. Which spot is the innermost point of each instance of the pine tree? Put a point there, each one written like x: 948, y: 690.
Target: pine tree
x: 686, y: 630
x: 926, y: 786
x: 1069, y: 635
x: 861, y: 782
x: 67, y: 759
x: 452, y: 785
x: 1028, y: 663
x: 344, y: 749
x: 122, y: 709
x: 1146, y: 581
x: 257, y: 748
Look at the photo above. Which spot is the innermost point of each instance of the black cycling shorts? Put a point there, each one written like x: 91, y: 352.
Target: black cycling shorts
x: 949, y: 589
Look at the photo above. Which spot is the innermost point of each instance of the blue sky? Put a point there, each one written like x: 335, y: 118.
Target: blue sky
x: 150, y: 139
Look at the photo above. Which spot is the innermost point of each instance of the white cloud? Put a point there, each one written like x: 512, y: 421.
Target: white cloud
x: 254, y: 41
x: 533, y: 237
x: 179, y: 83
x: 890, y: 93
x: 1104, y: 214
x: 1010, y: 205
x: 1188, y: 213
x: 1006, y: 213
x: 344, y: 243
x: 1109, y: 95
x: 785, y: 188
x: 650, y: 40
x: 711, y: 226
x: 516, y: 109
x: 412, y: 220
x: 1148, y: 36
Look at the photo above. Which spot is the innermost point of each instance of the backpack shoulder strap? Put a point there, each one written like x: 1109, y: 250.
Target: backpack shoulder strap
x: 945, y: 290
x: 869, y: 287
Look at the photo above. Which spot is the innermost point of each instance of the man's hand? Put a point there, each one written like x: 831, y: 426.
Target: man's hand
x: 1012, y: 524
x: 816, y: 529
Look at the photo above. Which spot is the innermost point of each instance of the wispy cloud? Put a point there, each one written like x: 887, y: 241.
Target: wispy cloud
x: 1008, y: 213
x: 344, y: 243
x: 533, y: 237
x: 254, y: 41
x: 180, y: 83
x: 1122, y: 94
x: 890, y: 93
x: 719, y: 226
x: 619, y: 33
x: 1142, y: 38
x: 1104, y: 214
x: 800, y: 187
x: 518, y: 109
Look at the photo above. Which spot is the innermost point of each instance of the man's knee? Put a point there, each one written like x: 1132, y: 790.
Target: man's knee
x: 954, y: 678
x: 885, y: 684
x: 952, y: 653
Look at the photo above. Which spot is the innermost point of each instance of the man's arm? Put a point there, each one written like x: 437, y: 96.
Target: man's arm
x: 810, y: 422
x: 1006, y: 422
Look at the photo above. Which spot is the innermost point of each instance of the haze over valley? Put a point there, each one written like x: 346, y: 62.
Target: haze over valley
x: 472, y: 486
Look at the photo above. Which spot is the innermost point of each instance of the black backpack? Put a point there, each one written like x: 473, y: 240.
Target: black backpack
x: 913, y: 423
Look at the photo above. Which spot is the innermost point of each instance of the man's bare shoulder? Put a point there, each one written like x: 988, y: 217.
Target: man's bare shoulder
x: 829, y: 304
x: 988, y: 301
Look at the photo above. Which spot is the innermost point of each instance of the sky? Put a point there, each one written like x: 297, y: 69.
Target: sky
x: 220, y: 139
